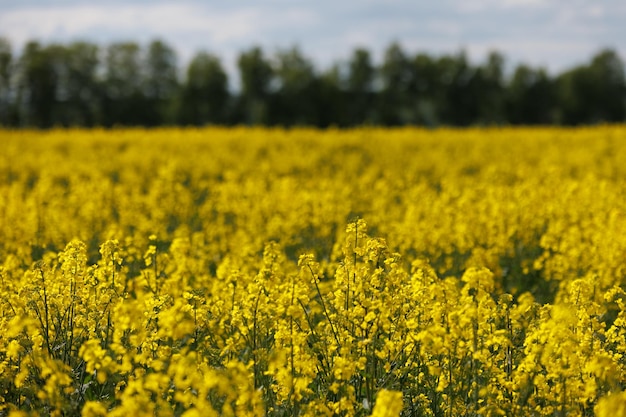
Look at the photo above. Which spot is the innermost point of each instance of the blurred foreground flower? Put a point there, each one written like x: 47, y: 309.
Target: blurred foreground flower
x: 388, y: 404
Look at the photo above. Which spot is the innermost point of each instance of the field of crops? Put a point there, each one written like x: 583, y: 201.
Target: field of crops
x: 243, y: 271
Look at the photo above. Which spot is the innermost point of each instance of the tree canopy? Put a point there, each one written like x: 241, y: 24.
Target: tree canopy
x: 128, y: 84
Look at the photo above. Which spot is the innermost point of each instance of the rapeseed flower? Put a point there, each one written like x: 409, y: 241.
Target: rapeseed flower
x: 246, y: 271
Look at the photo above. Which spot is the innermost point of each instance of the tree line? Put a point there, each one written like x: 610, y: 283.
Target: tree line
x: 127, y: 84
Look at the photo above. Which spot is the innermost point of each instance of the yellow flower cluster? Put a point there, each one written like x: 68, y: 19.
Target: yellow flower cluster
x: 245, y: 271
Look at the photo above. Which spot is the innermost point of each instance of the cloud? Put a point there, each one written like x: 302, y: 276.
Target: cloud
x: 141, y: 21
x: 471, y: 6
x: 556, y: 33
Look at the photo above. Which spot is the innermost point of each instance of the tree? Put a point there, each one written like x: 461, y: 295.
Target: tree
x: 530, y: 97
x: 36, y: 86
x: 6, y: 62
x: 396, y: 77
x: 489, y: 90
x: 160, y: 84
x: 360, y: 87
x: 80, y: 94
x: 75, y: 84
x: 205, y: 92
x: 458, y: 105
x: 593, y: 93
x: 296, y: 79
x: 427, y: 90
x: 256, y: 77
x: 607, y: 73
x: 124, y: 100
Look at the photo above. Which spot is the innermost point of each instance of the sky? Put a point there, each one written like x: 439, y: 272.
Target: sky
x: 555, y: 34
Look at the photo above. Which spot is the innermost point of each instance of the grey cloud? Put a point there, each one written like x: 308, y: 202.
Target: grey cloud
x: 557, y: 33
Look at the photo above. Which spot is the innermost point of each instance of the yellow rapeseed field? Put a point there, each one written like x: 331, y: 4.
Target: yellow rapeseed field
x: 251, y: 272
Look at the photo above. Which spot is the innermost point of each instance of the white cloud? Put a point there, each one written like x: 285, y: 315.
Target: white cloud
x: 445, y: 27
x: 146, y: 20
x: 487, y: 5
x: 596, y: 11
x: 557, y: 33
